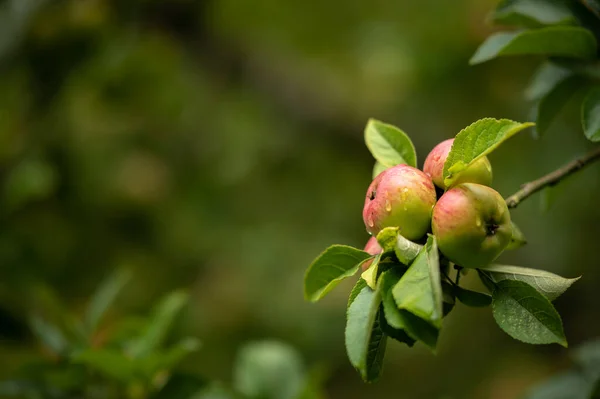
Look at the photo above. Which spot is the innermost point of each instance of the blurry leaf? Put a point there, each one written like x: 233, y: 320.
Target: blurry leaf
x: 518, y: 238
x: 377, y: 169
x: 109, y: 362
x: 20, y: 389
x: 51, y: 308
x: 370, y: 275
x: 419, y: 290
x: 401, y: 319
x: 545, y: 79
x: 215, y: 391
x: 123, y: 331
x: 390, y: 240
x: 159, y: 325
x: 14, y: 18
x: 182, y: 386
x: 551, y: 104
x: 30, y: 180
x: 533, y: 13
x: 365, y: 341
x: 546, y: 283
x: 472, y: 298
x: 332, y: 266
x: 104, y: 297
x: 49, y: 334
x: 525, y: 314
x: 314, y: 383
x: 559, y: 41
x: 590, y: 115
x: 593, y: 6
x: 167, y: 360
x: 268, y: 369
x: 478, y: 140
x: 569, y: 385
x: 389, y: 145
x: 587, y: 357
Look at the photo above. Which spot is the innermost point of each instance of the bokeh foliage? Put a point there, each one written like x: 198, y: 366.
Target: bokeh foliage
x: 216, y: 146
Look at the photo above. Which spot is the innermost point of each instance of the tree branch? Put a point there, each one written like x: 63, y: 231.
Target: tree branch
x: 552, y: 178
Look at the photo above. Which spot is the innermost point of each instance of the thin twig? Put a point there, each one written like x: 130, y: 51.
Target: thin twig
x: 552, y: 178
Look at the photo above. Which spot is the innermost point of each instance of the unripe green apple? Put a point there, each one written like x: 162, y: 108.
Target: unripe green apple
x: 403, y: 197
x: 479, y: 172
x: 372, y: 248
x: 472, y: 224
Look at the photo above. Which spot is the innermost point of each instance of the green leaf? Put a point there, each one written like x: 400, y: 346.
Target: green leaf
x: 166, y: 360
x: 518, y: 238
x: 269, y: 370
x: 332, y: 266
x: 365, y: 340
x: 548, y: 284
x: 559, y: 41
x: 419, y: 290
x: 590, y: 115
x: 476, y: 141
x: 395, y: 333
x: 390, y: 240
x: 525, y: 314
x: 545, y: 79
x: 401, y: 319
x: 370, y: 275
x: 389, y: 145
x: 104, y: 297
x: 182, y: 386
x: 472, y: 298
x: 551, y: 104
x: 377, y: 169
x: 109, y: 362
x: 358, y: 287
x: 49, y: 334
x: 163, y: 316
x: 533, y: 13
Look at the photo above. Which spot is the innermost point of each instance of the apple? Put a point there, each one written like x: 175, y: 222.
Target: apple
x: 372, y: 248
x: 403, y: 197
x: 479, y: 172
x: 472, y: 224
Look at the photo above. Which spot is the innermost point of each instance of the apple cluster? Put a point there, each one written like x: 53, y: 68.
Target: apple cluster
x: 470, y: 220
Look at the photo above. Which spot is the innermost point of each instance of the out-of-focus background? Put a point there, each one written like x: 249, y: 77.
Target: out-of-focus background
x: 217, y: 146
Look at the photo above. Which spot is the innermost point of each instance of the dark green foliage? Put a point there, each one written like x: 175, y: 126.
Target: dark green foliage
x: 566, y: 33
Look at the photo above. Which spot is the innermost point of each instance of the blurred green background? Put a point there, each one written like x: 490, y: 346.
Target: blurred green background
x: 217, y: 146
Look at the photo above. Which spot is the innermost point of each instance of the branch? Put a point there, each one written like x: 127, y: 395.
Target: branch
x: 552, y: 178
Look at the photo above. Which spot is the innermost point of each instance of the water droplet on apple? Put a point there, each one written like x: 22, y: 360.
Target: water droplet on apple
x: 388, y: 206
x: 478, y: 222
x: 370, y: 221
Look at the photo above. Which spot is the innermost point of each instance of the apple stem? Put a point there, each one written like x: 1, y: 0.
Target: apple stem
x: 552, y: 178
